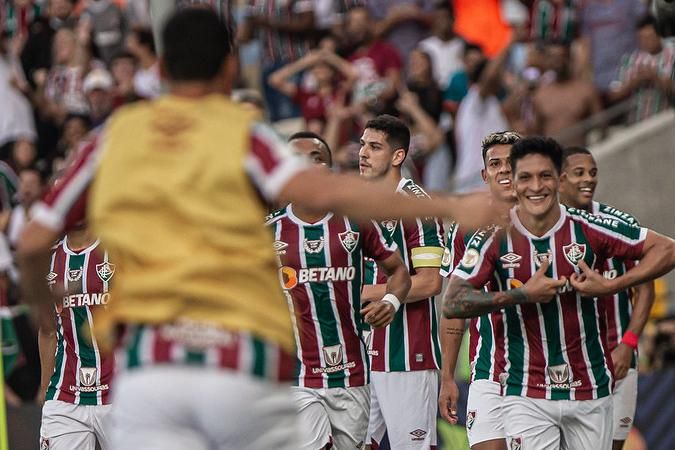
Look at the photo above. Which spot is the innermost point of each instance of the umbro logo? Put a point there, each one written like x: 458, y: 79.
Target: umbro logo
x: 280, y: 247
x: 625, y: 422
x: 51, y: 277
x: 510, y: 260
x: 418, y: 435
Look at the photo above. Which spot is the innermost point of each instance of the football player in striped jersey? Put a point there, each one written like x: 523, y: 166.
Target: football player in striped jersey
x: 405, y: 356
x: 484, y: 423
x: 558, y: 371
x: 321, y: 272
x: 627, y: 311
x: 75, y: 374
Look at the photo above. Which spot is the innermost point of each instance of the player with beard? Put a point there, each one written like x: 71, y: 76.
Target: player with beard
x: 485, y: 427
x: 405, y: 356
x: 627, y: 311
x: 558, y: 371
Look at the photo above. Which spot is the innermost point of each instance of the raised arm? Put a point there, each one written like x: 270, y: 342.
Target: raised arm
x: 279, y: 79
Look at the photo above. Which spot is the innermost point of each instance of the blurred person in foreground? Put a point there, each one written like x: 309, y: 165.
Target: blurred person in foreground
x: 191, y: 314
x: 627, y: 311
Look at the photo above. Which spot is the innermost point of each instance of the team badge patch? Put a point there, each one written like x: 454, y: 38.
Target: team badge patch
x: 510, y: 260
x: 87, y: 376
x: 74, y: 275
x: 333, y: 354
x: 574, y: 252
x: 470, y: 418
x: 389, y: 225
x: 447, y: 257
x: 349, y: 239
x: 279, y: 247
x: 313, y: 247
x: 105, y: 271
x: 539, y: 258
x: 517, y: 443
x: 470, y: 259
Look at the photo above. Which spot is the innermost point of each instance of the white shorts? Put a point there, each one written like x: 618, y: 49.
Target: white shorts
x: 532, y: 423
x: 484, y: 412
x: 337, y: 415
x: 66, y: 426
x: 625, y: 400
x: 169, y: 407
x: 405, y: 405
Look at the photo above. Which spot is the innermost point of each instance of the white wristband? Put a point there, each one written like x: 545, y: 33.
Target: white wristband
x: 391, y: 298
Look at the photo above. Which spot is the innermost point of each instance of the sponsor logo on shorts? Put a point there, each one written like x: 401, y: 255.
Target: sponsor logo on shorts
x: 418, y: 435
x: 419, y: 357
x: 625, y: 422
x: 510, y: 260
x: 44, y: 444
x: 470, y: 418
x: 574, y: 252
x: 349, y: 240
x: 517, y: 443
x: 360, y: 445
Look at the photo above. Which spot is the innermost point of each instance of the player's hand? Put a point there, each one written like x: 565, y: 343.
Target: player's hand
x: 622, y: 356
x: 378, y: 314
x: 540, y: 288
x: 590, y: 283
x: 447, y: 400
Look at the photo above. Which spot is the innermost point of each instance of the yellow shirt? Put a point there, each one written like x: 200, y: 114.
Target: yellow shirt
x: 176, y: 199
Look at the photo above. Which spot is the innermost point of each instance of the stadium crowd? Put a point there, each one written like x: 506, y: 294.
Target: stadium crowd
x: 453, y: 71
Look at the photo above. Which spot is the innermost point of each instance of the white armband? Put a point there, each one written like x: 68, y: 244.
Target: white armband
x: 395, y: 302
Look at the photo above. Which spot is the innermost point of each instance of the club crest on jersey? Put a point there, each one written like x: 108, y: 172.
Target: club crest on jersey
x: 279, y: 247
x: 87, y: 376
x: 313, y: 247
x: 510, y: 260
x: 349, y: 240
x: 332, y: 354
x: 470, y: 258
x: 105, y: 271
x: 574, y: 252
x: 470, y: 418
x: 447, y: 257
x: 51, y: 278
x: 389, y: 225
x: 516, y: 443
x: 539, y: 257
x: 559, y: 374
x: 74, y: 275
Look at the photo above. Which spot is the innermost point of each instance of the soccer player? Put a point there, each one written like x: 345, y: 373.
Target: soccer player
x: 76, y: 375
x: 405, y: 356
x: 558, y: 375
x: 485, y: 427
x: 321, y: 268
x: 174, y: 191
x: 628, y: 310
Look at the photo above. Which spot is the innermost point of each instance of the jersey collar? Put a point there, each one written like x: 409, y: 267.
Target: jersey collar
x: 515, y: 221
x: 81, y: 252
x: 299, y: 221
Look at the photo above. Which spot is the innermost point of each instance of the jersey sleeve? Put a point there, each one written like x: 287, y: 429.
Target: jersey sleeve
x: 270, y: 162
x: 454, y: 249
x: 375, y: 245
x: 478, y: 263
x: 612, y: 237
x: 64, y: 204
x: 425, y: 241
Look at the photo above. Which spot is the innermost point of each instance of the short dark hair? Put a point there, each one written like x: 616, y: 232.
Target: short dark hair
x: 122, y: 54
x: 312, y: 135
x: 499, y: 138
x: 469, y: 46
x: 196, y: 44
x: 145, y: 37
x: 445, y: 6
x: 646, y: 21
x: 544, y: 146
x: 569, y: 151
x: 398, y: 133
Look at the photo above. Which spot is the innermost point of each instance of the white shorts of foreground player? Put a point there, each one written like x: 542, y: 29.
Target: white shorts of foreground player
x: 337, y: 415
x: 484, y: 421
x: 196, y: 408
x: 625, y: 400
x: 66, y: 426
x: 557, y: 424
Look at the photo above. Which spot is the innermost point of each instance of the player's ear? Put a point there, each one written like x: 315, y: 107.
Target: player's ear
x: 483, y: 175
x: 398, y: 157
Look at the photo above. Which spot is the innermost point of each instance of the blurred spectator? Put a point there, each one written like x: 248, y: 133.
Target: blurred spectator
x: 606, y: 36
x: 420, y: 81
x: 123, y: 70
x: 23, y: 155
x: 403, y: 23
x: 566, y: 100
x: 479, y: 114
x: 137, y: 14
x: 141, y: 44
x: 331, y: 76
x: 108, y: 26
x: 458, y: 86
x: 285, y: 30
x: 553, y: 20
x: 18, y: 15
x: 481, y: 22
x: 443, y: 46
x: 9, y: 183
x: 75, y: 129
x: 377, y: 62
x: 329, y: 15
x: 646, y: 73
x: 31, y: 186
x: 98, y: 87
x: 37, y: 51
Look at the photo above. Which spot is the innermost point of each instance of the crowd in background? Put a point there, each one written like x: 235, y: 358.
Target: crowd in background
x: 455, y: 71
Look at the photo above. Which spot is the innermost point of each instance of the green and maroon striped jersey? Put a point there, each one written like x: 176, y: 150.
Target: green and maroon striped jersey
x: 410, y: 342
x: 82, y: 374
x: 556, y: 350
x: 619, y: 306
x: 321, y: 272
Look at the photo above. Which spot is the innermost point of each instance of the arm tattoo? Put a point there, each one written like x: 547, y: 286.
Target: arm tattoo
x: 465, y: 301
x: 454, y: 331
